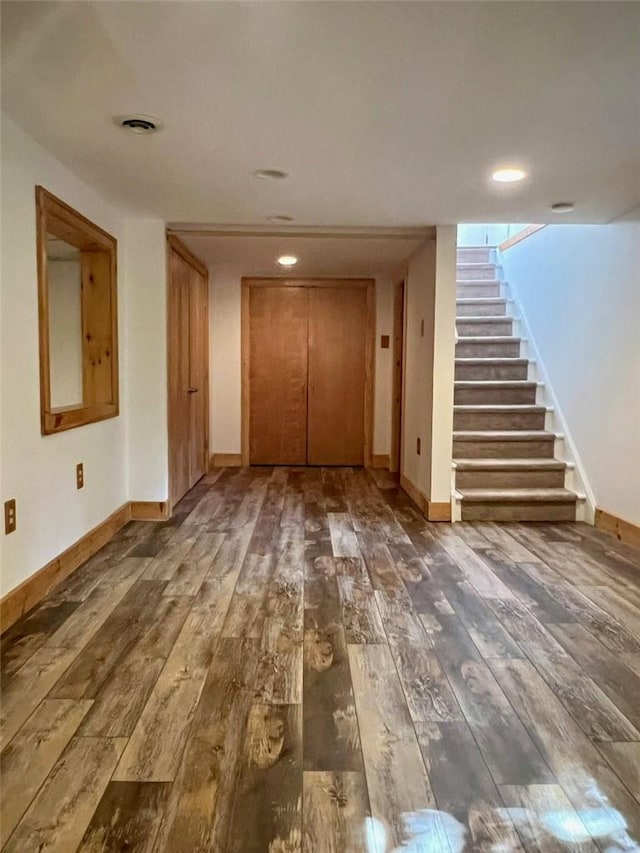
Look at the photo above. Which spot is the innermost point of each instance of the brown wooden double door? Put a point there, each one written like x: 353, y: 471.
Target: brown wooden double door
x: 188, y: 357
x: 309, y: 373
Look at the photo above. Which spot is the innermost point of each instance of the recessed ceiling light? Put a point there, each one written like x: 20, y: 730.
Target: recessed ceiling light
x: 287, y: 261
x: 280, y: 218
x: 270, y: 174
x: 509, y: 175
x: 139, y: 123
x: 563, y: 207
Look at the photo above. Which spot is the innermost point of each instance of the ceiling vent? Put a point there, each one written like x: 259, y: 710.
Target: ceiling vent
x: 139, y: 123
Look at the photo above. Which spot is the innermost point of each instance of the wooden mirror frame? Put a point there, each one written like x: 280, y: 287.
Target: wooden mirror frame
x: 98, y: 251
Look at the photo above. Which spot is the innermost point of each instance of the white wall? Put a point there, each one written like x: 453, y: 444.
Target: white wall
x: 429, y: 365
x: 144, y: 376
x: 383, y: 367
x: 444, y: 345
x: 37, y: 470
x: 125, y: 458
x: 579, y: 289
x: 65, y: 332
x: 225, y: 374
x: 418, y: 366
x: 225, y: 362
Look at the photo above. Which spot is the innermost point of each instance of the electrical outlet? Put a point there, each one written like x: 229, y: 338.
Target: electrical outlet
x: 79, y: 475
x: 10, y: 515
x: 418, y: 446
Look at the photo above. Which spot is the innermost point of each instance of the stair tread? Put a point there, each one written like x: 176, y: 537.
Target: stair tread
x: 493, y: 359
x: 499, y: 383
x: 468, y: 300
x: 516, y: 408
x: 509, y: 464
x: 475, y: 265
x: 504, y: 435
x: 498, y: 318
x: 494, y: 339
x: 523, y: 494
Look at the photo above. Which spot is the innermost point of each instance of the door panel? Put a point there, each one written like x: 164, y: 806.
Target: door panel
x: 278, y: 375
x: 179, y: 402
x: 337, y: 354
x: 188, y: 368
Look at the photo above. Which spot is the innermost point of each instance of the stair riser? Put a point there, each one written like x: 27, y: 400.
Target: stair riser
x: 479, y: 309
x: 518, y: 512
x: 490, y: 371
x: 499, y: 421
x: 494, y: 396
x: 478, y: 291
x: 476, y: 274
x: 525, y: 449
x: 469, y: 330
x: 474, y: 256
x: 531, y: 479
x: 488, y: 349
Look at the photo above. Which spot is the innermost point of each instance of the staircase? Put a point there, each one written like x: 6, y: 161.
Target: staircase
x: 505, y: 468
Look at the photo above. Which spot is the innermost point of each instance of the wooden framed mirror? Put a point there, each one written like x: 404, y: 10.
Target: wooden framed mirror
x: 78, y: 317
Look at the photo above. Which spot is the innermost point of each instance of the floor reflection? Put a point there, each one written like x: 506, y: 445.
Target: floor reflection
x: 433, y: 831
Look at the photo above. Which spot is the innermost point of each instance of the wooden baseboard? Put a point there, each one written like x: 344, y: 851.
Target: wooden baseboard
x: 380, y: 460
x: 225, y: 460
x: 418, y: 497
x: 149, y: 510
x: 33, y: 589
x: 431, y: 510
x: 439, y: 511
x: 625, y: 531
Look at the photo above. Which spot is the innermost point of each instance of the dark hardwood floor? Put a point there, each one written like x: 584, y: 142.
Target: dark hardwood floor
x: 298, y: 661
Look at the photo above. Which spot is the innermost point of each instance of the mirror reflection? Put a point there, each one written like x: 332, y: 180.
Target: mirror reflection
x: 65, y: 323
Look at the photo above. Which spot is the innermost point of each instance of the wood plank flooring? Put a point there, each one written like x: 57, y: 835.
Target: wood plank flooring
x: 298, y: 661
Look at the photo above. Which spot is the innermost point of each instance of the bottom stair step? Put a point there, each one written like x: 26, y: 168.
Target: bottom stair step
x: 518, y: 504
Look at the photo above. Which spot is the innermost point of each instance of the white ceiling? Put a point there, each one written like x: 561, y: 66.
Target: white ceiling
x: 384, y: 114
x: 331, y: 256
